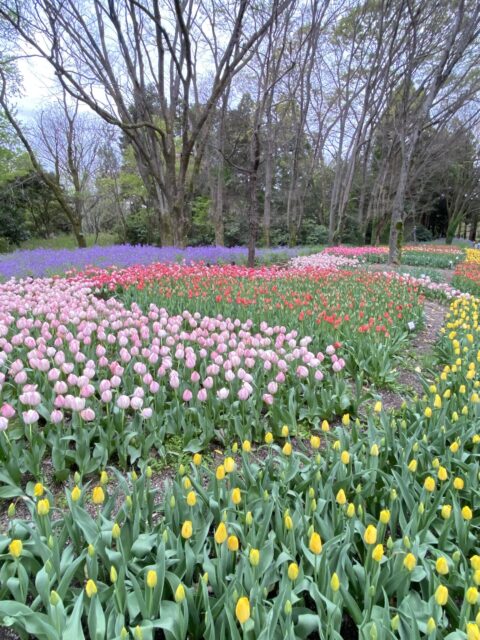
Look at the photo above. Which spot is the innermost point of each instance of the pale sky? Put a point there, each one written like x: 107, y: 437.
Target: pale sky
x: 39, y: 86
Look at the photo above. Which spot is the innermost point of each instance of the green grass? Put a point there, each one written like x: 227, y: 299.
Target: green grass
x: 67, y: 241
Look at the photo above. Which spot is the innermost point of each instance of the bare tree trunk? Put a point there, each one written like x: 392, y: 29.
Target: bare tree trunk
x: 267, y: 206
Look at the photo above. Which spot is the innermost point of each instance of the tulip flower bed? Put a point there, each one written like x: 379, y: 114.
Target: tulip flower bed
x: 434, y: 256
x: 368, y: 313
x: 467, y: 277
x: 362, y: 530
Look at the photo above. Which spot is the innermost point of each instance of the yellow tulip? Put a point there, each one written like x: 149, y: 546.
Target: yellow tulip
x: 187, y: 529
x: 441, y: 595
x: 242, y: 610
x: 370, y: 535
x: 412, y: 465
x: 293, y: 571
x: 428, y: 412
x: 377, y: 553
x: 232, y: 543
x: 288, y: 522
x: 268, y: 437
x: 116, y: 531
x: 377, y: 406
x: 229, y: 464
x: 38, y: 490
x: 103, y: 477
x: 220, y: 472
x: 285, y: 431
x: 475, y: 562
x: 191, y: 498
x: 385, y: 516
x: 374, y: 451
x: 346, y: 419
x: 429, y: 484
x: 446, y: 511
x: 350, y: 510
x: 236, y: 496
x: 410, y: 562
x: 221, y: 533
x: 254, y: 557
x: 335, y: 583
x: 325, y: 426
x: 315, y: 442
x: 467, y: 513
x: 341, y: 498
x: 43, y: 507
x: 246, y: 446
x: 91, y: 588
x: 441, y: 565
x: 197, y: 459
x: 345, y: 457
x: 15, y: 548
x: 473, y: 631
x: 471, y: 596
x: 315, y: 543
x: 287, y: 449
x: 458, y: 483
x: 442, y: 474
x: 180, y: 593
x: 98, y: 495
x: 76, y: 494
x: 151, y: 579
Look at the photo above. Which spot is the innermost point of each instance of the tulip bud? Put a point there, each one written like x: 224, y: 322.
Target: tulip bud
x: 265, y: 496
x: 50, y: 542
x: 287, y: 608
x: 406, y: 542
x: 421, y: 508
x: 165, y: 536
x: 124, y: 634
x: 205, y: 578
x: 456, y: 556
x: 249, y: 519
x: 113, y: 574
x: 77, y: 477
x: 54, y: 598
x: 11, y: 510
x: 393, y: 494
x: 395, y: 622
x: 431, y: 625
x: 371, y: 590
x: 129, y: 502
x: 373, y: 632
x: 389, y: 543
x: 134, y: 478
x: 91, y: 550
x: 181, y: 469
x: 149, y: 472
x: 172, y: 502
x: 138, y: 634
x: 48, y: 566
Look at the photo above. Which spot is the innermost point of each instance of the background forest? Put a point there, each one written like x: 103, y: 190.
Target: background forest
x: 230, y: 123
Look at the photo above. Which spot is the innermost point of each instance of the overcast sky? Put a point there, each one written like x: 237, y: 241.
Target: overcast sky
x: 39, y: 86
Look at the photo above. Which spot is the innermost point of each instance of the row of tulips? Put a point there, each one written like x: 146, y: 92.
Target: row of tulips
x: 85, y: 380
x: 467, y: 277
x: 362, y: 530
x: 372, y: 314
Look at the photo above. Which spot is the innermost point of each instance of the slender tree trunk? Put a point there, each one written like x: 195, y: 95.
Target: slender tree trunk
x: 473, y: 228
x: 267, y: 206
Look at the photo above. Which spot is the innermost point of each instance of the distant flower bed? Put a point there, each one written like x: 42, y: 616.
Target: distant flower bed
x: 46, y: 262
x: 473, y: 255
x: 467, y: 277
